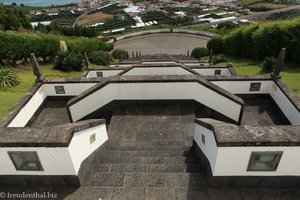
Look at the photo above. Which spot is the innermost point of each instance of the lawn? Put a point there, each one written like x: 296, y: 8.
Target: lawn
x: 290, y: 74
x: 9, y: 98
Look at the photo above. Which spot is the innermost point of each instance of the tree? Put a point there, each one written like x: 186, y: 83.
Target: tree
x: 99, y: 58
x: 120, y: 54
x: 68, y: 61
x: 199, y: 52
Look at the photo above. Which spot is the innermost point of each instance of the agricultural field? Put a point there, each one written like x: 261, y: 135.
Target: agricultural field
x: 94, y: 18
x: 285, y: 15
x: 266, y: 6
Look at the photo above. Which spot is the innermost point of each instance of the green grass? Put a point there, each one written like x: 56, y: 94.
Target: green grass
x: 290, y: 74
x: 9, y: 98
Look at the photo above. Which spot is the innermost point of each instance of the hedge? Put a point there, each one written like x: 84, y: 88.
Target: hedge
x: 260, y: 41
x: 18, y: 46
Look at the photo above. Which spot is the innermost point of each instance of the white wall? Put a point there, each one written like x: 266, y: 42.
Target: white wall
x: 157, y: 71
x: 106, y: 73
x: 211, y: 71
x: 29, y: 109
x: 242, y: 87
x: 158, y: 62
x: 80, y: 147
x: 196, y: 64
x: 267, y: 87
x: 209, y: 149
x: 55, y: 161
x: 155, y: 91
x: 71, y: 89
x: 233, y: 161
x: 289, y: 110
x: 37, y: 99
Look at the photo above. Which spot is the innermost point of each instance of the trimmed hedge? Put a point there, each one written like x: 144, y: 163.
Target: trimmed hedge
x: 260, y: 41
x: 18, y: 46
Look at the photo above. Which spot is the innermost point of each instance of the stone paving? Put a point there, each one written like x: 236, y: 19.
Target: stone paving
x: 162, y: 43
x: 149, y: 157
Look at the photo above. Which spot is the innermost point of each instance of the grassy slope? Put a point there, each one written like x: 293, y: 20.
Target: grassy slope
x: 290, y: 73
x: 9, y: 98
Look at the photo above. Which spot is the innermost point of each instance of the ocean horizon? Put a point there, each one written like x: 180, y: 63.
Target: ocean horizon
x: 39, y: 2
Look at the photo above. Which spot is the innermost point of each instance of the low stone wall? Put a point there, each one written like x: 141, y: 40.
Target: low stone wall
x: 186, y: 31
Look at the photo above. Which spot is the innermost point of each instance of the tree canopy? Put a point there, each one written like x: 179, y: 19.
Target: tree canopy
x: 13, y: 19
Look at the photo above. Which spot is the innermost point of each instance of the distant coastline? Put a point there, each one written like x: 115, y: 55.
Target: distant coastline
x: 39, y: 2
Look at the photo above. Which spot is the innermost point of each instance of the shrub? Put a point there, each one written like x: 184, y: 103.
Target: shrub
x: 120, y: 54
x: 199, y: 52
x: 68, y: 61
x: 220, y: 58
x: 8, y: 78
x: 99, y: 58
x: 268, y: 64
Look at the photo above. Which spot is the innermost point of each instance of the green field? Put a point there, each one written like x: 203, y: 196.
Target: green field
x: 9, y: 98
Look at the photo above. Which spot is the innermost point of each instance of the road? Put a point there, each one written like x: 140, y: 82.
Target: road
x: 252, y: 16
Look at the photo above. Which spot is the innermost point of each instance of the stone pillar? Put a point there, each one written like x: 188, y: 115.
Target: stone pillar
x: 279, y: 64
x: 86, y: 61
x: 37, y: 71
x: 132, y: 54
x: 211, y: 57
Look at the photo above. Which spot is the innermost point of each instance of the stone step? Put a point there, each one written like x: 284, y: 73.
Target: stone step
x: 146, y: 153
x: 147, y: 148
x: 146, y: 160
x: 171, y: 180
x: 153, y: 168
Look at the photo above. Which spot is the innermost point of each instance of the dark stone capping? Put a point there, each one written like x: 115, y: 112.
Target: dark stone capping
x: 39, y: 180
x: 167, y: 31
x: 208, y: 67
x: 56, y: 136
x: 157, y: 66
x: 20, y: 104
x: 229, y: 135
x: 289, y: 93
x: 85, y: 73
x: 232, y: 71
x: 107, y: 69
x: 73, y: 80
x: 240, y: 78
x: 156, y: 79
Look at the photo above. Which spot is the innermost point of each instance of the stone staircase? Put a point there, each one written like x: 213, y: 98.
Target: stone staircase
x: 149, y: 151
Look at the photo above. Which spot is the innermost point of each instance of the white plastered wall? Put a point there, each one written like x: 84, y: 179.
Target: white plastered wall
x: 267, y: 87
x: 29, y: 109
x: 38, y: 98
x: 211, y: 72
x: 71, y: 89
x: 106, y: 73
x: 80, y: 147
x: 233, y: 161
x: 155, y: 91
x: 157, y: 71
x: 55, y: 161
x: 209, y: 149
x: 58, y: 160
x: 289, y: 110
